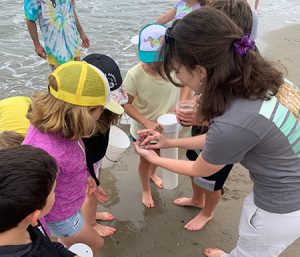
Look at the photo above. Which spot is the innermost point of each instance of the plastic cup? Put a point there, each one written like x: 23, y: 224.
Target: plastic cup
x: 81, y: 250
x: 186, y: 105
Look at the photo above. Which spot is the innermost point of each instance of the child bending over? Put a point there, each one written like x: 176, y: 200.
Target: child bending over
x: 78, y: 92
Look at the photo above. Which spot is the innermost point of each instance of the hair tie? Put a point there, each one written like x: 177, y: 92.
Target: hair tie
x: 242, y: 45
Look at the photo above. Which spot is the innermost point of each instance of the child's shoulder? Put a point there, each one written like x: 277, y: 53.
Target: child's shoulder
x: 136, y: 68
x: 134, y: 72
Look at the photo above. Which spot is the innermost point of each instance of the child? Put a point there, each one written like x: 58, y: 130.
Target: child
x: 149, y: 96
x: 180, y: 9
x: 27, y: 182
x: 13, y: 121
x: 78, y: 92
x: 205, y: 195
x: 13, y: 114
x: 96, y: 145
x: 248, y: 123
x: 60, y: 30
x: 241, y: 13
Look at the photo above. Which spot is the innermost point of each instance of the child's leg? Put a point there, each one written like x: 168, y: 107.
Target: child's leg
x: 206, y: 214
x: 211, y: 187
x: 88, y: 236
x: 197, y: 200
x: 145, y: 172
x: 89, y: 210
x: 153, y: 176
x: 104, y: 216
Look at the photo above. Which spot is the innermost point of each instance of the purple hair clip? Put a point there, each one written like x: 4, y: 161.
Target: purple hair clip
x: 242, y: 45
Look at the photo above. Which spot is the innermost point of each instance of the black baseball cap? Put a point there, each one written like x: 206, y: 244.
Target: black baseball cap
x: 108, y: 66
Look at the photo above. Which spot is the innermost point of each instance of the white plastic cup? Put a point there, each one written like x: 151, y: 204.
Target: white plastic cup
x: 118, y: 143
x: 81, y: 250
x: 170, y: 130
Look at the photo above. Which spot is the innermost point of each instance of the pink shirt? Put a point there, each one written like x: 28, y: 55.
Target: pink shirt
x: 72, y: 171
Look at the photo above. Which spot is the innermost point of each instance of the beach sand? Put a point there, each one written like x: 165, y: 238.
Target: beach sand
x: 159, y: 231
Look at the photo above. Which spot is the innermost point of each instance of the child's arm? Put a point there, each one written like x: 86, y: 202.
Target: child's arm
x: 84, y: 38
x: 136, y: 115
x: 167, y: 17
x: 40, y: 51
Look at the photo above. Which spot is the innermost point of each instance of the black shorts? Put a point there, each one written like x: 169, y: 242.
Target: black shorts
x: 216, y: 181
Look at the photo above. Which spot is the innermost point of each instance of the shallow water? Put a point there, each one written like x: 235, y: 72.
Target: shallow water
x: 109, y: 25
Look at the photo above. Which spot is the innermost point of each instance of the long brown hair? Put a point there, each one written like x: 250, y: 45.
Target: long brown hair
x: 205, y: 37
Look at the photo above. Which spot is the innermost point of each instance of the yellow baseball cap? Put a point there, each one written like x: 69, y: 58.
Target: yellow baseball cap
x: 83, y: 84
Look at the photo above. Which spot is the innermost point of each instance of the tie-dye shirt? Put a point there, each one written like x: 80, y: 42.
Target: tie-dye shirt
x: 58, y: 28
x: 182, y: 9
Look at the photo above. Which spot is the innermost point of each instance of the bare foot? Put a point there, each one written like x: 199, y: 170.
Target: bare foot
x: 198, y: 222
x: 105, y: 216
x: 157, y: 181
x: 213, y: 252
x: 185, y: 201
x: 148, y: 200
x: 104, y: 230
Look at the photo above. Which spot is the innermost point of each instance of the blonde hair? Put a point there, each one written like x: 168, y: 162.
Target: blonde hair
x: 9, y: 139
x: 51, y: 115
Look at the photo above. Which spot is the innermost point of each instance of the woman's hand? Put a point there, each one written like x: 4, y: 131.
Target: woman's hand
x: 151, y: 139
x: 187, y: 117
x: 150, y: 155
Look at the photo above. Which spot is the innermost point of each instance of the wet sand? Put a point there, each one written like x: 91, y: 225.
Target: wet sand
x: 283, y: 46
x: 159, y: 231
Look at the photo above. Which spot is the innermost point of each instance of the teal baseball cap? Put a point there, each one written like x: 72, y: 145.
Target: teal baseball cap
x: 151, y: 38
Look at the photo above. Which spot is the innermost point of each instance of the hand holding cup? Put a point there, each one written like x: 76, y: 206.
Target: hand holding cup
x: 186, y: 113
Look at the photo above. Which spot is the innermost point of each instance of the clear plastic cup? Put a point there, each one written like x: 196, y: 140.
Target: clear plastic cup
x: 184, y: 106
x: 187, y: 105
